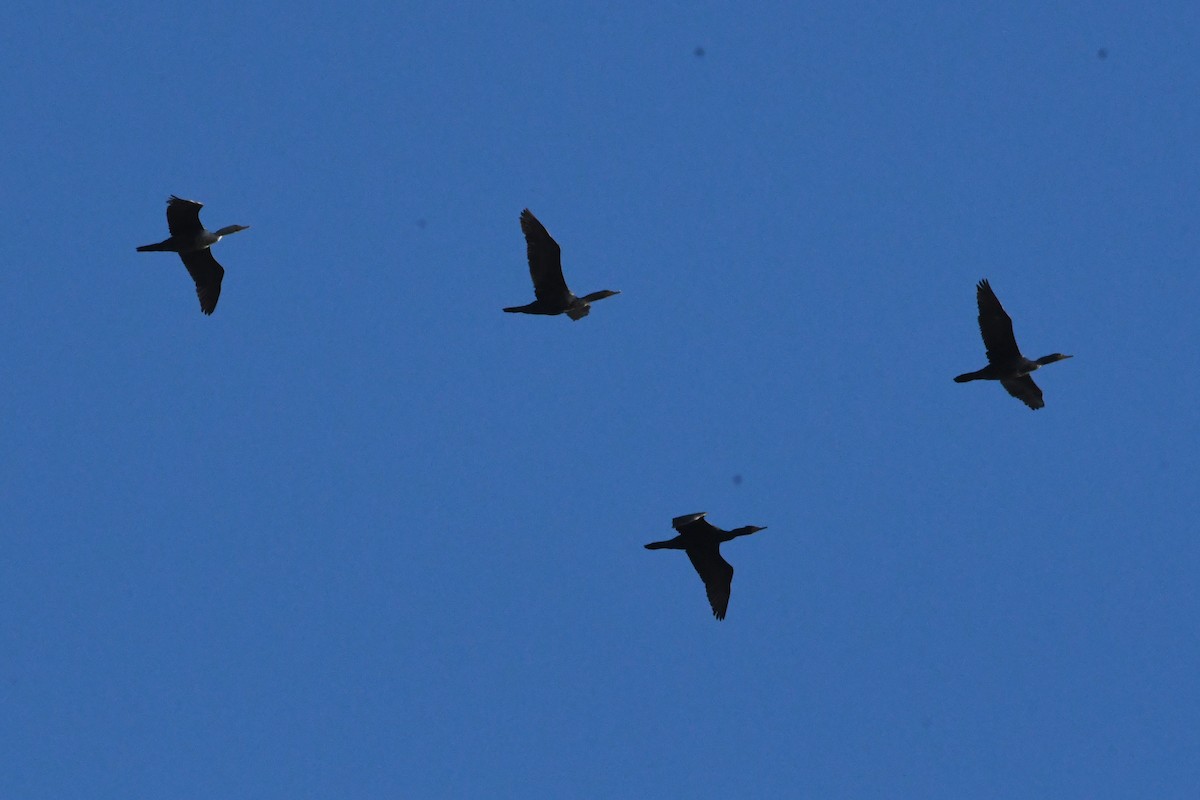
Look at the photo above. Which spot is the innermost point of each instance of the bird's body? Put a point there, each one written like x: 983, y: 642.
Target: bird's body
x: 702, y: 543
x: 1005, y: 362
x: 549, y: 286
x: 192, y: 241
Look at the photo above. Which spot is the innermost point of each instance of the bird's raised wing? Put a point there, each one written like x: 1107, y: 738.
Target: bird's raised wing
x: 695, y: 525
x: 183, y: 216
x: 1025, y: 390
x: 207, y: 274
x: 717, y: 575
x: 545, y: 260
x: 996, y: 327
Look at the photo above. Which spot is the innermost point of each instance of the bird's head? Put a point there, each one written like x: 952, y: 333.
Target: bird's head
x: 746, y: 531
x: 600, y: 295
x: 232, y: 229
x: 1050, y: 359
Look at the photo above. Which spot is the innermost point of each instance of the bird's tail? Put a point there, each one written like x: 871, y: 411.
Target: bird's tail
x: 150, y: 248
x: 513, y: 310
x: 966, y: 376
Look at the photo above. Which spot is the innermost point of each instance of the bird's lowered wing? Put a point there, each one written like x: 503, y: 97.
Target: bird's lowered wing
x: 207, y: 274
x: 1025, y: 390
x: 717, y: 575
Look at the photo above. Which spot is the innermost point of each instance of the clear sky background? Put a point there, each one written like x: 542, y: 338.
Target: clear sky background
x: 360, y: 534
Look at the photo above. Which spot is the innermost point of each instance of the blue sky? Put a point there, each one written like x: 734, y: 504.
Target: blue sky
x: 361, y: 534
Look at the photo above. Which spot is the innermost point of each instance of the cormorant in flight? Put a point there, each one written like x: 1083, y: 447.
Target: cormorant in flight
x: 1005, y: 362
x: 702, y: 543
x: 192, y: 242
x: 545, y: 267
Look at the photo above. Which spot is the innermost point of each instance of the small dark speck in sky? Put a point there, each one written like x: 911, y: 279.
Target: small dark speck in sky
x: 737, y: 480
x: 699, y: 52
x: 1102, y: 53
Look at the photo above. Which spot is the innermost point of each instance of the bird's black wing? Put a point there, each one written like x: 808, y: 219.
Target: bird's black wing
x: 695, y: 525
x: 996, y: 327
x: 1025, y: 390
x: 183, y: 216
x: 207, y: 274
x: 545, y: 260
x: 717, y: 575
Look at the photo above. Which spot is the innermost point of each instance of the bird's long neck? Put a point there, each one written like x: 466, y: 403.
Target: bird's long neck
x: 594, y: 296
x: 736, y: 532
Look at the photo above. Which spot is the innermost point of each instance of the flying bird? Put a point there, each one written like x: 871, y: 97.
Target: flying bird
x: 192, y: 242
x: 1005, y: 362
x: 702, y: 543
x: 549, y: 286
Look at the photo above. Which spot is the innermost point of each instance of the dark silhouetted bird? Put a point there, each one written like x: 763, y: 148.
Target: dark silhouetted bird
x: 545, y: 267
x: 702, y: 543
x: 1005, y: 362
x: 192, y: 242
